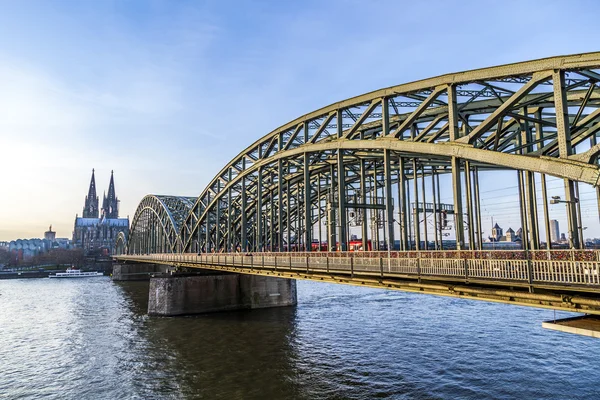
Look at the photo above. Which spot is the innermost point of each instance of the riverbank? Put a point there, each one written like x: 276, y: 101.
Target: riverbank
x: 34, y: 274
x: 25, y: 274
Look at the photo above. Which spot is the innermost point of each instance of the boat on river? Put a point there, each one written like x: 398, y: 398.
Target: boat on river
x: 76, y: 273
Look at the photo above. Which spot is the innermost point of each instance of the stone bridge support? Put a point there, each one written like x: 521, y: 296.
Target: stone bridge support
x: 137, y: 271
x: 213, y: 292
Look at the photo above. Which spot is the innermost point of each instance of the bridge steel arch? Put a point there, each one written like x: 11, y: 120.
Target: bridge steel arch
x: 350, y: 162
x: 121, y: 244
x: 156, y: 224
x: 534, y: 117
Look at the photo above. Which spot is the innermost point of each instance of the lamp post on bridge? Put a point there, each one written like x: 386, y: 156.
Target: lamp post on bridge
x: 575, y: 202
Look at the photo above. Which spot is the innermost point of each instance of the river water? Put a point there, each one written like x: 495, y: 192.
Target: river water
x: 91, y: 339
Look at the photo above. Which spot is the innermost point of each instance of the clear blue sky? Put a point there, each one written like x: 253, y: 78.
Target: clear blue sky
x: 166, y: 92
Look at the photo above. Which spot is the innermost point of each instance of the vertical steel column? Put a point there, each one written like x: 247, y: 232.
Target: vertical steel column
x: 546, y: 212
x: 341, y: 187
x: 469, y: 189
x: 387, y: 172
x: 288, y: 216
x: 229, y: 217
x: 363, y: 195
x: 530, y: 194
x: 197, y: 233
x: 523, y: 211
x: 436, y: 229
x: 409, y: 217
x: 346, y: 196
x: 539, y: 136
x: 299, y: 233
x: 478, y: 206
x: 218, y: 218
x: 244, y: 221
x: 330, y: 205
x: 455, y: 164
x: 439, y: 201
x: 374, y: 199
x: 426, y: 239
x: 272, y: 230
x: 564, y: 151
x: 280, y: 205
x: 593, y: 141
x: 532, y: 211
x: 402, y: 206
x: 319, y: 208
x: 307, y: 204
x: 259, y: 218
x: 416, y: 217
x: 389, y: 200
x: 579, y: 223
x: 208, y: 234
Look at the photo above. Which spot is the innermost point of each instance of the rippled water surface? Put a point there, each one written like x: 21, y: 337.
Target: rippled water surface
x: 91, y: 339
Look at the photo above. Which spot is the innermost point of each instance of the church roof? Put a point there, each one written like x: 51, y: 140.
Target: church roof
x: 510, y: 231
x: 496, y: 226
x: 79, y: 221
x: 122, y: 222
x: 115, y: 221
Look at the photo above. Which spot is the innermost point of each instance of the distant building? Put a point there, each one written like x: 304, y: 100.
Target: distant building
x: 496, y: 233
x: 98, y: 232
x: 50, y: 235
x: 26, y: 248
x: 510, y: 236
x: 519, y: 235
x: 563, y: 238
x: 554, y: 231
x: 23, y: 249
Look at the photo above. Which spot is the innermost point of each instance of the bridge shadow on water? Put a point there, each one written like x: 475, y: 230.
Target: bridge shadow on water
x: 345, y: 342
x: 238, y: 354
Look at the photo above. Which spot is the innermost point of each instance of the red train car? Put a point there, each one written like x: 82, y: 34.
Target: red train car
x: 353, y: 245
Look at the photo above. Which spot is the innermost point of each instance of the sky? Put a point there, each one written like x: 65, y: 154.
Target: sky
x: 165, y: 93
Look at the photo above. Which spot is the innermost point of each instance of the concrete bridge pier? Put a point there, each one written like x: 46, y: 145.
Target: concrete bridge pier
x: 137, y: 271
x: 182, y: 295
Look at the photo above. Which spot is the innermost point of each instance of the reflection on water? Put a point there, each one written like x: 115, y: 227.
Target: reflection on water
x: 92, y: 339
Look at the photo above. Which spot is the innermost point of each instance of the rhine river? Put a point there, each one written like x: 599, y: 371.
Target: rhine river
x: 91, y: 339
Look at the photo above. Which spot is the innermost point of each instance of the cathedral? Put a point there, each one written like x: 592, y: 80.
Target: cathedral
x: 97, y: 229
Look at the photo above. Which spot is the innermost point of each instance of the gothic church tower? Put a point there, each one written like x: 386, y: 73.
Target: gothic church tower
x: 90, y: 209
x: 110, y: 203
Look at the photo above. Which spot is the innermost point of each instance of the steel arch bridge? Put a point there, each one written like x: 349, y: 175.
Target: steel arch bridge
x: 156, y: 225
x: 349, y: 164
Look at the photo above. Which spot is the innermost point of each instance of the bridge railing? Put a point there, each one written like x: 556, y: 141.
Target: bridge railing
x: 580, y: 267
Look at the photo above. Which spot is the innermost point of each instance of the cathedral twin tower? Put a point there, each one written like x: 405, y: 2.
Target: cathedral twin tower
x: 97, y: 229
x: 110, y: 203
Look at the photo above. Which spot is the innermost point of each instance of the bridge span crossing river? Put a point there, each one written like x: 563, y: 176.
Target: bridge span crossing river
x: 91, y: 339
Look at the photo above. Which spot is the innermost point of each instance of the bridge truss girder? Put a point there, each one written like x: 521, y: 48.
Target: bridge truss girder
x: 535, y: 117
x: 156, y: 224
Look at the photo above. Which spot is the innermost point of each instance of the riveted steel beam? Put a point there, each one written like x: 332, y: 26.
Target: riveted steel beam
x: 475, y: 103
x: 492, y: 120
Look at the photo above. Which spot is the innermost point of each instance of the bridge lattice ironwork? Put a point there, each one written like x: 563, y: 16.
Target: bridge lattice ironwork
x: 538, y: 117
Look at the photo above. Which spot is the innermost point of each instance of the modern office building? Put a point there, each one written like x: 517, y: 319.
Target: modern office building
x: 554, y: 231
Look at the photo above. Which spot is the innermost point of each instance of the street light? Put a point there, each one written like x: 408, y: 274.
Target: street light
x: 557, y: 200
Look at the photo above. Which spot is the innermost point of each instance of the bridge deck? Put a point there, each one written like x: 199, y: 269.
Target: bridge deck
x: 561, y: 282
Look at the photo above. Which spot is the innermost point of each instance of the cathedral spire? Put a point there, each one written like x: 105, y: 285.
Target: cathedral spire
x: 110, y: 204
x: 90, y: 209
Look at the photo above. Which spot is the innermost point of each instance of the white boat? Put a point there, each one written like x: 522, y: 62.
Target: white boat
x: 75, y: 273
